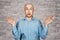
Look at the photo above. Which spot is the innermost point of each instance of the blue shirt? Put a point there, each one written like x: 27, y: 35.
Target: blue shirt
x: 29, y: 30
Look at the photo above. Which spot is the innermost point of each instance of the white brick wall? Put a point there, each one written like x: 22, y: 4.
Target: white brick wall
x: 43, y: 8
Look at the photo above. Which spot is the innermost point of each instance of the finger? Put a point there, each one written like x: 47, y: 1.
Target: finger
x: 7, y: 17
x: 52, y: 17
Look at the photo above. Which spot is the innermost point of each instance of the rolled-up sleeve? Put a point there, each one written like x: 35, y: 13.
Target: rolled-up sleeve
x: 42, y: 30
x: 16, y: 31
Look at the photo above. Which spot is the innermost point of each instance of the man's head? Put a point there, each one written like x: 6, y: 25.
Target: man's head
x: 29, y: 9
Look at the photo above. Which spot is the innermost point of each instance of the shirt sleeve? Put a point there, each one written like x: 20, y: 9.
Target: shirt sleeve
x: 42, y: 31
x: 16, y: 31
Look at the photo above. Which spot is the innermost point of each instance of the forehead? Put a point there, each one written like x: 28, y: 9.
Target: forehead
x: 29, y: 5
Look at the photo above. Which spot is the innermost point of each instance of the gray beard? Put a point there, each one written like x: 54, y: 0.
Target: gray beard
x: 29, y: 16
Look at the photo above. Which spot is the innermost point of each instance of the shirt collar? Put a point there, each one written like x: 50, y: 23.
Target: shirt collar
x: 31, y: 19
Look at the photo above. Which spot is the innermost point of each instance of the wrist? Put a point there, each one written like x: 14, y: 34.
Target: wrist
x: 13, y: 24
x: 46, y: 24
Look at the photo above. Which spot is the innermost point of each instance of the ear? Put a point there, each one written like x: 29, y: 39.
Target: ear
x: 33, y: 9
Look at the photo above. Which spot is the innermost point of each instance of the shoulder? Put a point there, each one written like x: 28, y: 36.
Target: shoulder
x: 18, y: 21
x: 37, y: 20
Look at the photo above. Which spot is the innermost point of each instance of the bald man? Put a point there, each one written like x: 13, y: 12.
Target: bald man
x: 29, y: 28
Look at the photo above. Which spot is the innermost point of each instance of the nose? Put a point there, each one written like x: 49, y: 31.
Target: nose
x: 28, y: 10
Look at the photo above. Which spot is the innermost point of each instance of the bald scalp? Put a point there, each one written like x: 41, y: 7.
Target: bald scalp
x: 29, y: 4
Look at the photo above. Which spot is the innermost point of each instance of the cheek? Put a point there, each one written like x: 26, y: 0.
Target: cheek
x: 26, y: 11
x: 31, y: 11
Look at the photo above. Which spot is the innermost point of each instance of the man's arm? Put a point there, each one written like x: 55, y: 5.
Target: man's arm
x: 43, y: 31
x: 15, y: 29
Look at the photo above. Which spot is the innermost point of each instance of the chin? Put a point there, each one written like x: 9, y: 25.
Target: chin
x: 29, y: 16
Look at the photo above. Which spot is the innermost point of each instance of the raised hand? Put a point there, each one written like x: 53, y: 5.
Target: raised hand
x: 49, y: 20
x: 10, y: 21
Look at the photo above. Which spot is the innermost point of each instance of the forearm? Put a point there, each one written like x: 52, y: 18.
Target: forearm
x: 15, y: 33
x: 44, y: 32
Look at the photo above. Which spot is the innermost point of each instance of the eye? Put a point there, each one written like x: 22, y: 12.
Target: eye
x: 26, y: 8
x: 31, y: 8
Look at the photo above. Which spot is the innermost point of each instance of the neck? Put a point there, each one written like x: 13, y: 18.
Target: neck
x: 29, y: 19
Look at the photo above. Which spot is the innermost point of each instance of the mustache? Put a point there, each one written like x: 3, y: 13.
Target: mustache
x: 28, y: 14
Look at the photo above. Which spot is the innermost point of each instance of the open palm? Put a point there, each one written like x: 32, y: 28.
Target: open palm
x: 10, y: 21
x: 49, y: 20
